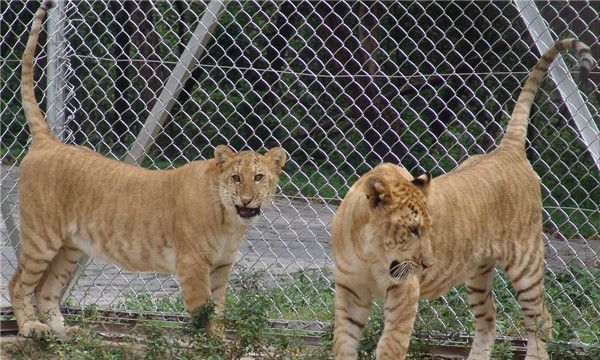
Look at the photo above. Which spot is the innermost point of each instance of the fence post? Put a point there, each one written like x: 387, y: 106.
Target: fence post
x: 9, y: 220
x: 55, y: 93
x: 55, y: 100
x: 540, y: 34
x: 182, y: 71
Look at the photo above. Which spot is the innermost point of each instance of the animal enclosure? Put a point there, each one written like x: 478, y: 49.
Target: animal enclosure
x: 341, y: 87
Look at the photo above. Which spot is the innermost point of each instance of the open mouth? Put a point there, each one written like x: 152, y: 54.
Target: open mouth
x: 246, y: 212
x: 398, y: 270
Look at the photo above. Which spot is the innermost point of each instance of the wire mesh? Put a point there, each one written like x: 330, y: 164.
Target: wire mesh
x: 341, y: 86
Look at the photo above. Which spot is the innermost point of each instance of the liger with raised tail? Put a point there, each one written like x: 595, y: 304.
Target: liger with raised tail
x: 402, y: 239
x: 188, y: 221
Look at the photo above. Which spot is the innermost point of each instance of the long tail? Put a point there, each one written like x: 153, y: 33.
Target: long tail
x: 516, y: 131
x: 37, y: 123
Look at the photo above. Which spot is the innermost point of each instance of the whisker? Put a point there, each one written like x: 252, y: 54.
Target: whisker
x: 436, y: 263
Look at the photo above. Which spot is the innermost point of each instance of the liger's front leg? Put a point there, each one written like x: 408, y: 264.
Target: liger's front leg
x: 194, y: 278
x: 352, y: 308
x: 219, y: 279
x: 400, y: 310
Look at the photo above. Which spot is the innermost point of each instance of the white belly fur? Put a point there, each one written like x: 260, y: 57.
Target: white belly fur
x: 160, y: 260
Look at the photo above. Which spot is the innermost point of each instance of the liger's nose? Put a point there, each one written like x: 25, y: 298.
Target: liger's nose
x: 425, y: 264
x: 245, y: 200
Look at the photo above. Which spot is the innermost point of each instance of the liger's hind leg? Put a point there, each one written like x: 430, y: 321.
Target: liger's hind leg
x: 526, y: 273
x: 34, y: 260
x: 48, y: 291
x: 481, y: 299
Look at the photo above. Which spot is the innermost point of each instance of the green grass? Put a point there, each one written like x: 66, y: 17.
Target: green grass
x: 574, y: 222
x: 246, y: 320
x: 305, y: 295
x: 144, y: 301
x: 571, y: 296
x: 578, y: 304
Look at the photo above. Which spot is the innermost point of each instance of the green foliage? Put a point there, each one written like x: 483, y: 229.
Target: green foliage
x: 156, y: 339
x: 201, y: 316
x: 574, y: 298
x: 371, y: 333
x: 305, y: 295
x: 85, y: 344
x: 153, y: 340
x: 144, y: 301
x: 571, y: 296
x: 503, y: 351
x: 564, y: 351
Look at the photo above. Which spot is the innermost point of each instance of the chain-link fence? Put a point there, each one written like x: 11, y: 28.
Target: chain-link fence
x: 341, y: 86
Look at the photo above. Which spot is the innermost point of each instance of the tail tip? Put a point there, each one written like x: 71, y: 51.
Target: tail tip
x: 586, y: 64
x: 584, y: 74
x: 49, y: 4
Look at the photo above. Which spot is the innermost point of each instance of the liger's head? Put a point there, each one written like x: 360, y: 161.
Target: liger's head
x: 248, y: 179
x: 400, y: 222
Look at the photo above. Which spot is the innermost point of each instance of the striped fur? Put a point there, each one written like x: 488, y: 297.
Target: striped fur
x: 188, y: 221
x: 486, y: 211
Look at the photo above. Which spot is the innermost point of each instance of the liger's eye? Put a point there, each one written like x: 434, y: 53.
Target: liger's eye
x: 236, y: 178
x: 414, y: 231
x: 258, y: 177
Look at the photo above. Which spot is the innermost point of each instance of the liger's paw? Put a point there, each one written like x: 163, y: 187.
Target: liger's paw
x: 35, y: 329
x: 71, y: 332
x: 216, y: 329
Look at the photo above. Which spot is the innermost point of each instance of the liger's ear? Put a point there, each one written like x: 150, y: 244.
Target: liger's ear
x: 278, y: 156
x: 377, y: 191
x: 422, y: 182
x: 222, y: 154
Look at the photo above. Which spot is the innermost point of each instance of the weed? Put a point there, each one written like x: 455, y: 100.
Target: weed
x: 560, y: 350
x: 502, y: 350
x: 201, y: 316
x: 572, y: 298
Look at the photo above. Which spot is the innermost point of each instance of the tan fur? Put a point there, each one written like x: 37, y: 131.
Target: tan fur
x: 188, y: 221
x: 487, y: 210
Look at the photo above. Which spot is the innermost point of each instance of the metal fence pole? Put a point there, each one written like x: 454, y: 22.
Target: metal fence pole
x: 182, y: 71
x: 9, y: 221
x: 55, y: 93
